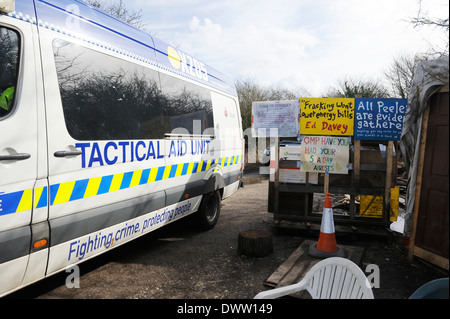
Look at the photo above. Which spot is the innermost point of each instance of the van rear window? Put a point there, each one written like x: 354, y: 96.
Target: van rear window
x: 9, y: 67
x: 187, y: 107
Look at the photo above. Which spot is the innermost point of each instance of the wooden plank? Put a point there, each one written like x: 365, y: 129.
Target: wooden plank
x: 285, y: 267
x: 299, y: 262
x: 431, y: 257
x: 287, y: 219
x: 444, y: 88
x: 277, y: 175
x: 356, y: 176
x: 326, y: 184
x: 354, y: 253
x: 387, y: 191
x: 357, y: 164
x: 296, y: 273
x: 423, y: 139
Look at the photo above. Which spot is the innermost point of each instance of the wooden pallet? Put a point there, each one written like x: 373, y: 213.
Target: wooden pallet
x: 299, y: 262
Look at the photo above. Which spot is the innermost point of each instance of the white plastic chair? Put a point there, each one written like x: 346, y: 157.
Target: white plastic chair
x: 331, y: 278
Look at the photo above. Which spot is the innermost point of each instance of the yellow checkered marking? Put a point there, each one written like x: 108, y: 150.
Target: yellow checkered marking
x: 74, y: 190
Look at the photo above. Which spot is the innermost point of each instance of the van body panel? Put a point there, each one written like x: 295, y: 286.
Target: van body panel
x: 112, y: 133
x: 20, y: 137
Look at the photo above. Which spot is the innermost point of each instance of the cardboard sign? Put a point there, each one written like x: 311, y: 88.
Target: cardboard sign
x: 280, y: 115
x: 379, y: 119
x: 327, y: 116
x: 297, y: 176
x: 325, y: 154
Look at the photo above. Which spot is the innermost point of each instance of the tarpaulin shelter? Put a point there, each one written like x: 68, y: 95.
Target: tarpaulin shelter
x: 424, y: 145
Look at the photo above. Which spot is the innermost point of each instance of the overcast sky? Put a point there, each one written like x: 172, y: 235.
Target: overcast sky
x: 309, y: 44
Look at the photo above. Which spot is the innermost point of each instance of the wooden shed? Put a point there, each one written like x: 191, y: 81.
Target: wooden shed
x: 425, y: 147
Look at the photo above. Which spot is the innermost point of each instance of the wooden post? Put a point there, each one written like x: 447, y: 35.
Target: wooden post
x: 387, y: 190
x: 423, y: 140
x: 326, y: 183
x: 276, y: 161
x: 356, y: 172
x: 357, y: 164
x: 356, y: 176
x: 306, y: 197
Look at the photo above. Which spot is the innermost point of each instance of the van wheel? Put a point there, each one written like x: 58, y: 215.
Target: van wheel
x: 209, y: 211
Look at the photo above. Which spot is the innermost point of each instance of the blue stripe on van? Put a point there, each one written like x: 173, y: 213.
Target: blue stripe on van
x: 79, y: 189
x: 42, y: 202
x: 105, y: 184
x: 53, y: 192
x: 173, y: 170
x: 9, y: 202
x: 126, y: 180
x: 74, y: 190
x: 185, y: 168
x: 160, y: 173
x: 144, y: 176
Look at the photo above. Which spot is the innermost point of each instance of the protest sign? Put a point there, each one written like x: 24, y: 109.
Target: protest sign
x: 379, y: 119
x: 325, y: 154
x: 327, y: 116
x: 280, y: 115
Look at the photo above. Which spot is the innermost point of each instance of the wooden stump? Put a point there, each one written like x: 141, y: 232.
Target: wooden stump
x: 255, y: 243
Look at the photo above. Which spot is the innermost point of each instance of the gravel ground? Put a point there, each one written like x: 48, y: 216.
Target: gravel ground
x: 180, y: 262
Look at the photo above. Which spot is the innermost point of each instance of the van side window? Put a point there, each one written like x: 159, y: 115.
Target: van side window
x: 187, y: 107
x: 9, y: 66
x: 107, y: 98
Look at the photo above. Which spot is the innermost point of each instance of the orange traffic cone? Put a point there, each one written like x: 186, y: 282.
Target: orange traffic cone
x: 326, y: 246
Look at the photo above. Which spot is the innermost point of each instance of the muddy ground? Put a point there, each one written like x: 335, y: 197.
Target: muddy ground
x: 180, y: 262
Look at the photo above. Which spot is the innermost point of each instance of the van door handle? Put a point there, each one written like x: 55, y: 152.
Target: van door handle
x: 15, y: 157
x: 67, y: 153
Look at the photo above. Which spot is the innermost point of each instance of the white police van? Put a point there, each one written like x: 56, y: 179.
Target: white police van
x: 106, y: 134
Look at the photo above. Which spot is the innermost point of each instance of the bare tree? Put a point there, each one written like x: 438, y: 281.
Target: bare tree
x: 249, y: 91
x: 118, y: 9
x: 401, y: 72
x: 351, y: 87
x: 423, y: 20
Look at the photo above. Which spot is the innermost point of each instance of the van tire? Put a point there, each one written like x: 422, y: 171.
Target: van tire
x: 209, y: 211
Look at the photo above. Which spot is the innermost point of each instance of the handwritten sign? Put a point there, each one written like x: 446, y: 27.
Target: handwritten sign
x: 379, y: 119
x: 327, y: 116
x: 325, y: 154
x: 280, y: 115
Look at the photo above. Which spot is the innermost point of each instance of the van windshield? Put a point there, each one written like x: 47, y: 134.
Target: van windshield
x: 9, y: 58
